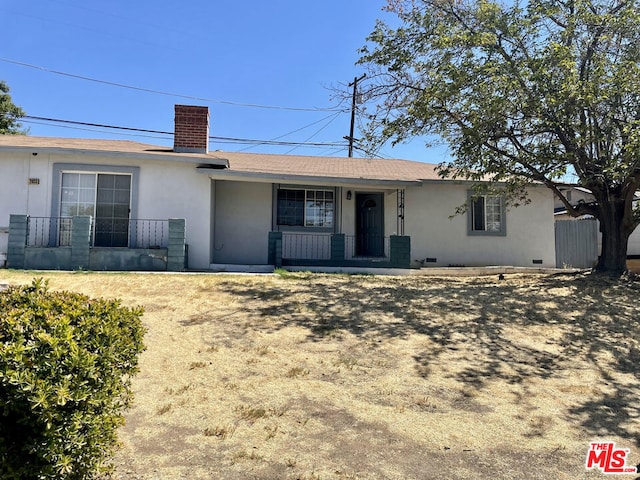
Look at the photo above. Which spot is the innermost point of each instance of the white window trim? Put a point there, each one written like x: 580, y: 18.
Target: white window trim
x: 502, y: 232
x: 60, y: 168
x: 304, y: 227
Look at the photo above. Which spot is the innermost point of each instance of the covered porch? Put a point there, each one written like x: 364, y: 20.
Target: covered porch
x: 258, y: 224
x: 336, y: 250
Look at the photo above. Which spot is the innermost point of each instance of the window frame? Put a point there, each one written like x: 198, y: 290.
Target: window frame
x: 471, y: 201
x: 304, y: 228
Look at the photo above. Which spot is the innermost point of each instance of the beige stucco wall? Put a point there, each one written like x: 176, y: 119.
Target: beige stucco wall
x: 165, y: 190
x: 243, y: 217
x: 243, y: 212
x: 348, y: 214
x: 435, y: 234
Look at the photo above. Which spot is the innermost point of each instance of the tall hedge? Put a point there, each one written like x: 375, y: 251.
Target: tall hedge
x: 66, y: 363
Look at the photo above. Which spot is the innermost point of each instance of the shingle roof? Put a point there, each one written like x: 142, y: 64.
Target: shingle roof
x: 330, y: 167
x: 71, y: 143
x: 84, y: 146
x: 253, y: 164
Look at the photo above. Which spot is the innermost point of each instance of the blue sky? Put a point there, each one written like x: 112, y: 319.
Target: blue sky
x: 227, y: 53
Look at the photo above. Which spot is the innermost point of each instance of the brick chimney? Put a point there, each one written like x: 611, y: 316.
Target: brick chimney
x: 191, y: 134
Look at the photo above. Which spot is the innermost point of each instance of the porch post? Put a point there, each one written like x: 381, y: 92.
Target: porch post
x: 80, y: 242
x: 275, y: 249
x: 400, y: 251
x: 18, y: 230
x: 177, y: 250
x: 337, y: 247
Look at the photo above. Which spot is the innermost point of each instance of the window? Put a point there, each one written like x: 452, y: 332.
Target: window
x: 112, y: 211
x: 291, y: 207
x: 486, y: 215
x: 106, y: 198
x: 305, y: 208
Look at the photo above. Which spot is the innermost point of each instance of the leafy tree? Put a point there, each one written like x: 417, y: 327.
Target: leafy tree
x: 524, y: 91
x: 9, y: 113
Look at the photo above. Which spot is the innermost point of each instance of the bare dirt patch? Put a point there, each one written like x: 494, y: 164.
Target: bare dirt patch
x: 307, y: 376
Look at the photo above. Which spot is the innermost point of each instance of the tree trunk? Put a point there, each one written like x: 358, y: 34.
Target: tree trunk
x: 615, y: 229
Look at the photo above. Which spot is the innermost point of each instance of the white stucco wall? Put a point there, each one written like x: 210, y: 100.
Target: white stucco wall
x: 177, y: 191
x: 530, y: 230
x: 16, y: 195
x: 228, y: 222
x: 574, y: 196
x: 165, y: 190
x: 243, y: 212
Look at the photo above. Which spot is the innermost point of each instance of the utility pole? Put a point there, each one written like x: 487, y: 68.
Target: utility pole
x: 354, y: 84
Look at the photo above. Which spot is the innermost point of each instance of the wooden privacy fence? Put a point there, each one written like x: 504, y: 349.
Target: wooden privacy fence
x: 576, y: 243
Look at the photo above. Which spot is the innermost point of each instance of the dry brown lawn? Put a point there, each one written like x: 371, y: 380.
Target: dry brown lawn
x: 307, y: 376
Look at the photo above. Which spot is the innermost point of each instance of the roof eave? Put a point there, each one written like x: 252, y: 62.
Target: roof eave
x: 168, y: 156
x: 263, y: 177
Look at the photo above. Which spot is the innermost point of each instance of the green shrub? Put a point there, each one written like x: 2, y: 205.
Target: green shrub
x: 66, y: 363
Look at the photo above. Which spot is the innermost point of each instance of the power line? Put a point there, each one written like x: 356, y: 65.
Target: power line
x: 100, y: 125
x: 315, y: 133
x: 128, y: 19
x: 170, y: 94
x: 33, y: 122
x: 371, y: 154
x: 330, y: 152
x: 235, y: 140
x: 329, y: 147
x: 83, y: 27
x: 296, y: 130
x: 246, y: 141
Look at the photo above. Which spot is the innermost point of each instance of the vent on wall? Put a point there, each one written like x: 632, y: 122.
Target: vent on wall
x: 537, y: 262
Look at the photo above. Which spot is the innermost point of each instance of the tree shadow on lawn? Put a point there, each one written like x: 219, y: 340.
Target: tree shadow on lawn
x: 593, y: 320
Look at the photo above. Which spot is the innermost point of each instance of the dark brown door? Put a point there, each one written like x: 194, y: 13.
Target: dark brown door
x: 369, y: 225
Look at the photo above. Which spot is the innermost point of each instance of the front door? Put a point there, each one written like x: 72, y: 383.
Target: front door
x: 369, y: 225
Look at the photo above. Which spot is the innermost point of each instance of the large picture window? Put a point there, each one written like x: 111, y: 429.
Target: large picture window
x: 487, y: 215
x: 305, y: 208
x: 106, y: 198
